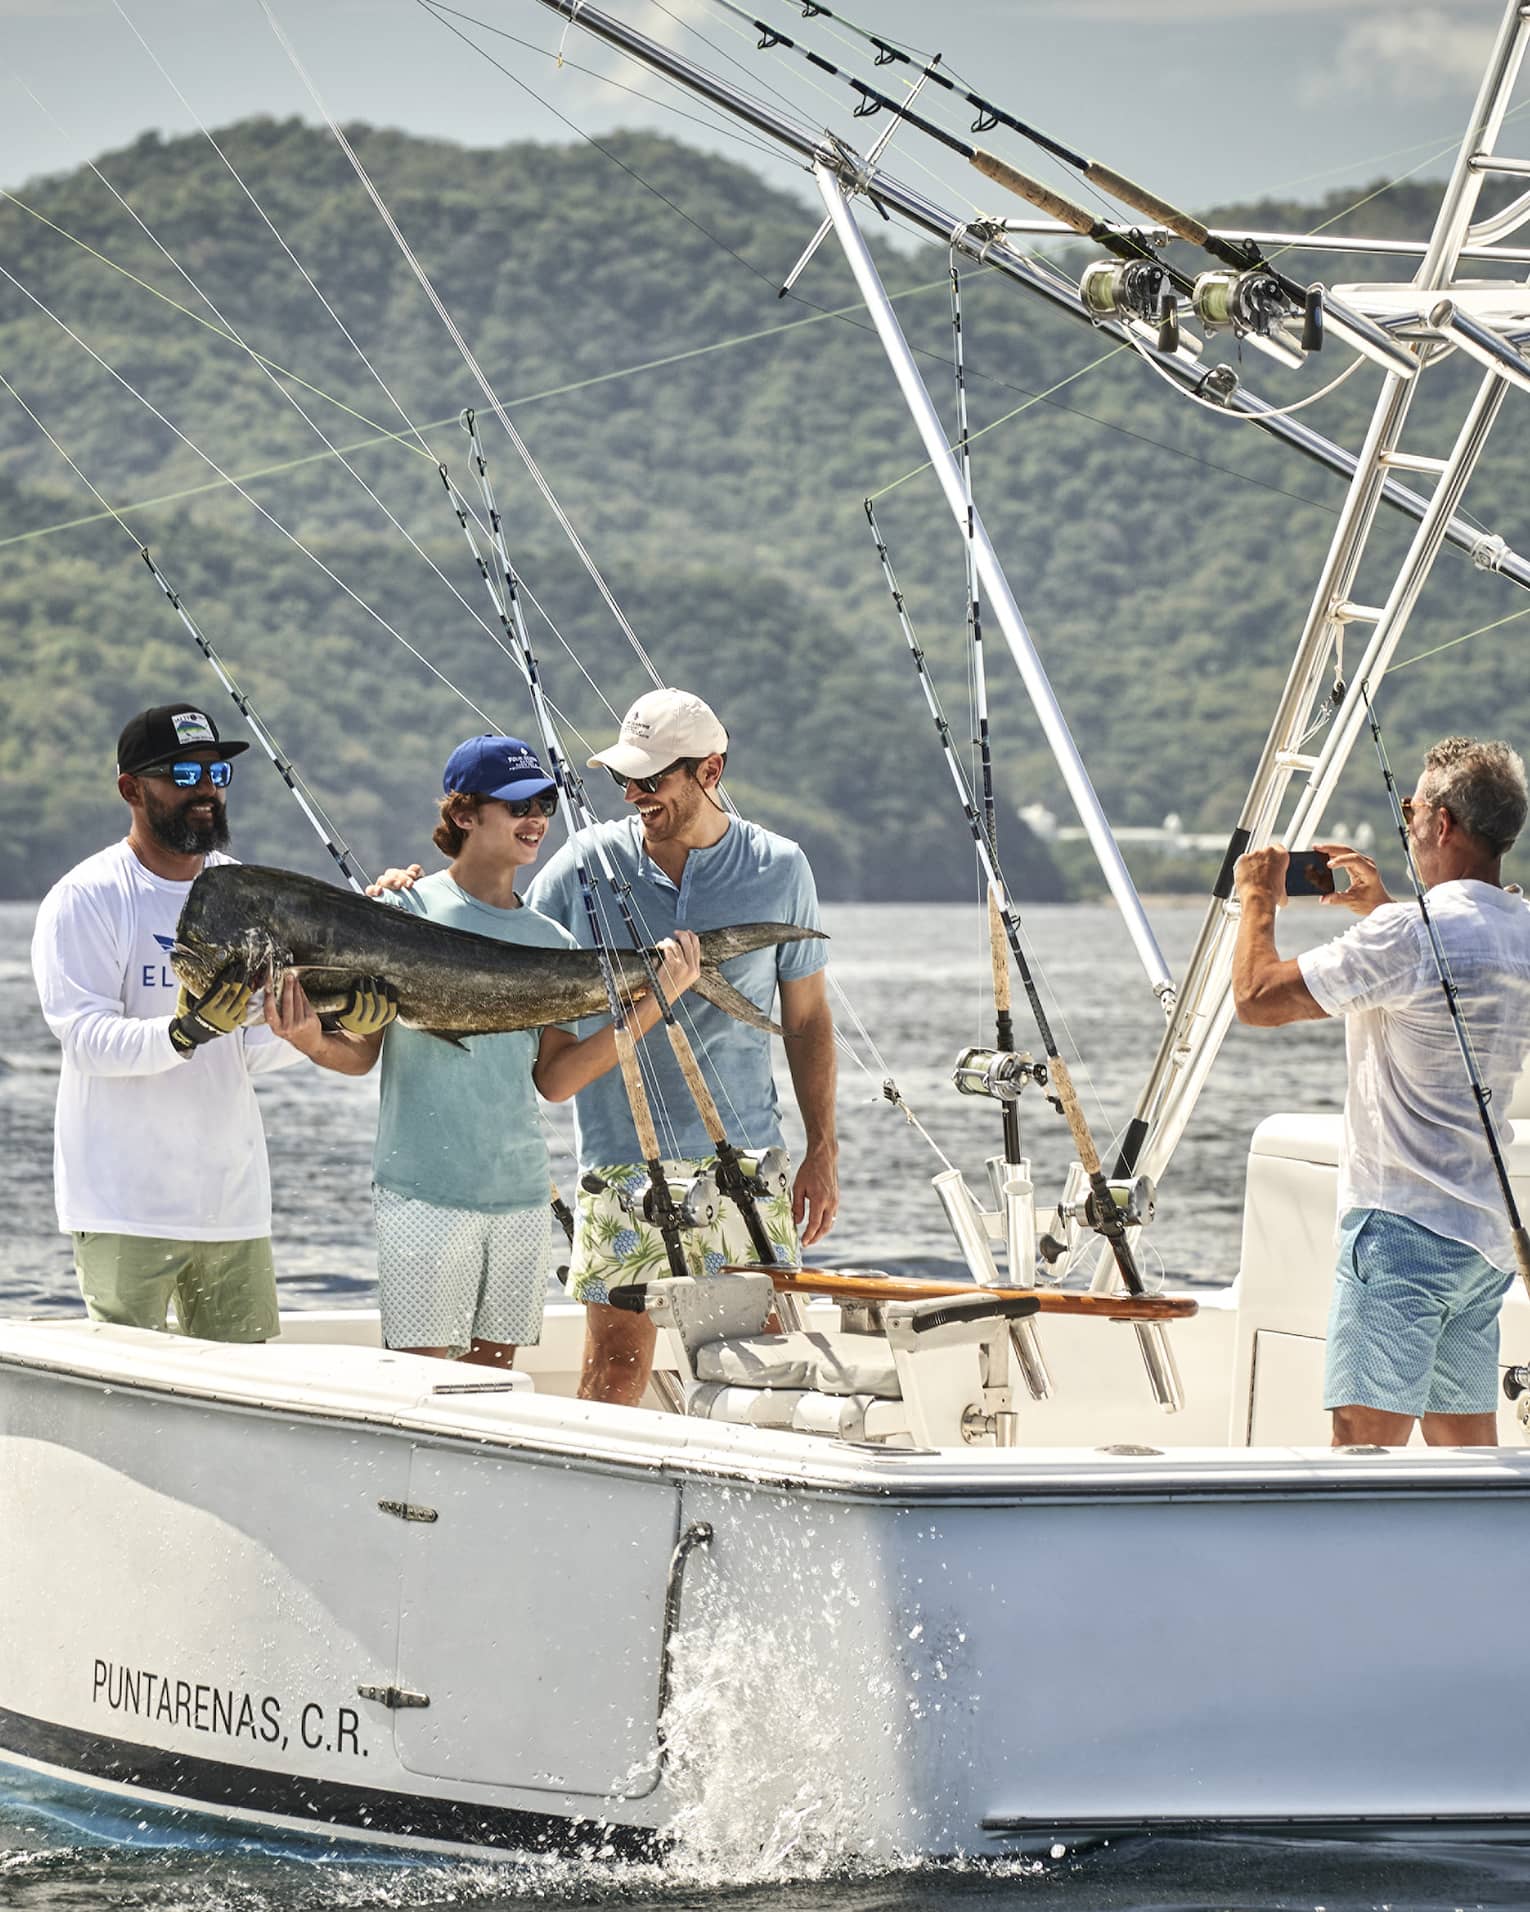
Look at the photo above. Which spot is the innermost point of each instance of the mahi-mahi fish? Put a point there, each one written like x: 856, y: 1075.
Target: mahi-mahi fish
x: 450, y: 982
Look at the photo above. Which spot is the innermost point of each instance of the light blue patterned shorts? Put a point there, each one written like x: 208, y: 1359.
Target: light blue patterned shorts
x: 614, y: 1247
x: 1413, y: 1328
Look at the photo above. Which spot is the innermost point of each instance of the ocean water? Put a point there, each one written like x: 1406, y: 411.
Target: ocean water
x: 911, y: 980
x: 914, y: 979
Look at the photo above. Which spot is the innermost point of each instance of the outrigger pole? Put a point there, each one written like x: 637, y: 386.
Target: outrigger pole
x: 1103, y: 1214
x: 1211, y: 295
x: 733, y: 1177
x: 982, y: 242
x: 996, y: 586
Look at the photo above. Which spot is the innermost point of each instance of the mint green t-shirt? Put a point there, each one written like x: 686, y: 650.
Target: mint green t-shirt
x: 458, y: 1127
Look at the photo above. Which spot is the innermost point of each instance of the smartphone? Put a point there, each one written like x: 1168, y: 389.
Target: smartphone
x: 1308, y: 874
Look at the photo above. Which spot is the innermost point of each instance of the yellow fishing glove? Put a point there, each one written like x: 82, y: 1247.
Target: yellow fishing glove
x: 218, y: 1013
x: 369, y: 1008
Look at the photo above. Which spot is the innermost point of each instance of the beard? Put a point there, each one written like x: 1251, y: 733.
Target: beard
x: 173, y: 828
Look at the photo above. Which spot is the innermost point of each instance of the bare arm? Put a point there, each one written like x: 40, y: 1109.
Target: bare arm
x: 566, y: 1063
x: 808, y: 1024
x: 1268, y: 990
x: 294, y: 1018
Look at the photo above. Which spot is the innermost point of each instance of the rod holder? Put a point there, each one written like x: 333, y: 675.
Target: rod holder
x: 967, y: 1225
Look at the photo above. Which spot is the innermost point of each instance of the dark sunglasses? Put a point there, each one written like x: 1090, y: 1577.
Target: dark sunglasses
x: 545, y: 805
x: 648, y: 785
x: 186, y: 776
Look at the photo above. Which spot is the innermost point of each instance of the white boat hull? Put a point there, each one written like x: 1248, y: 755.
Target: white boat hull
x: 208, y: 1552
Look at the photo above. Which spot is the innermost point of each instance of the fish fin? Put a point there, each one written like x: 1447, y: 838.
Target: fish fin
x: 733, y: 1002
x: 443, y: 1035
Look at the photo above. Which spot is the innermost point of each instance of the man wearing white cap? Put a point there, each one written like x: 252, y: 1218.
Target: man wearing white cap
x: 691, y: 864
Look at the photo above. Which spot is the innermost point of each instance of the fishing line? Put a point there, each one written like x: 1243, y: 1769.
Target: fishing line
x: 731, y: 1176
x: 661, y: 1208
x: 436, y: 424
x: 438, y: 10
x: 1245, y: 418
x: 334, y: 450
x: 307, y: 801
x: 186, y: 311
x: 254, y: 503
x: 898, y: 108
x: 1103, y: 1215
x: 1451, y: 643
x: 468, y: 358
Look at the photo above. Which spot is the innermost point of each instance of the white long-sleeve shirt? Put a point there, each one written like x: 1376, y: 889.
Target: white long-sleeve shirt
x: 145, y: 1142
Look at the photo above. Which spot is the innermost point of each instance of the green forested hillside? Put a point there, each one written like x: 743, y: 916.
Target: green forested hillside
x: 1162, y: 555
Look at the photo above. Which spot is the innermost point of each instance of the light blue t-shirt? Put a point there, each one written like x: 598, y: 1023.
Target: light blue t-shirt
x: 458, y: 1127
x: 747, y: 876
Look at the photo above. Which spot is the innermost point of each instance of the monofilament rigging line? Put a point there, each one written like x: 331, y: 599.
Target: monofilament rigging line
x: 468, y: 358
x: 255, y: 504
x: 329, y: 445
x: 310, y: 805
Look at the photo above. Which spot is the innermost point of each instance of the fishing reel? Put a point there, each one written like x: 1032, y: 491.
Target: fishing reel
x: 1132, y: 289
x: 1258, y: 304
x: 765, y: 1170
x: 998, y: 1073
x: 694, y: 1201
x: 1134, y: 1201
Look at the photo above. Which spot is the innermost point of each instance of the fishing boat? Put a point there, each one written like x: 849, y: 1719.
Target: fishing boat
x: 960, y: 1568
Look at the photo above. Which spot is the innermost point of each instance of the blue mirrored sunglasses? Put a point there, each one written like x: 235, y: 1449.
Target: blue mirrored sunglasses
x: 186, y: 776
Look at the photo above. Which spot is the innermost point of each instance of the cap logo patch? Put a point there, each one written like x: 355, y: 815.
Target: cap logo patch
x: 636, y: 730
x: 191, y: 727
x: 523, y: 762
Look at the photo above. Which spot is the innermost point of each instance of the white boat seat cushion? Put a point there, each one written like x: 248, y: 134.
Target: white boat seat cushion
x: 844, y: 1417
x: 824, y: 1363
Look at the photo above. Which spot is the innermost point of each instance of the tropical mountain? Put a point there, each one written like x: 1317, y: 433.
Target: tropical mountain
x: 711, y: 443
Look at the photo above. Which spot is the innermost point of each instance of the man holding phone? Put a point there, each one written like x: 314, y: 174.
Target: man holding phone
x: 1425, y: 1255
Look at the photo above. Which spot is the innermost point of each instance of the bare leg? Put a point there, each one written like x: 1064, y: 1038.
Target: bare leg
x: 1370, y: 1427
x: 435, y: 1354
x: 490, y: 1354
x: 1461, y: 1430
x: 618, y: 1355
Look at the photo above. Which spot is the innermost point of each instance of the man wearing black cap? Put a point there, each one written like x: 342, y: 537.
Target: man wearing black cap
x: 159, y: 1157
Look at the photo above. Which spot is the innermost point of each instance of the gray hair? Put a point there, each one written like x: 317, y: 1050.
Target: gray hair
x: 1482, y: 785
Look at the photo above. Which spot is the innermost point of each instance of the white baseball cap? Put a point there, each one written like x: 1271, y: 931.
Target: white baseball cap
x: 661, y: 727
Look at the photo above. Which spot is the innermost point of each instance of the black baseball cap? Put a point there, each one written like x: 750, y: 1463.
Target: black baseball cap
x: 166, y: 732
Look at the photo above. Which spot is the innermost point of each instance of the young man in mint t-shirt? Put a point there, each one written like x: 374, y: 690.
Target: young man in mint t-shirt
x: 461, y: 1186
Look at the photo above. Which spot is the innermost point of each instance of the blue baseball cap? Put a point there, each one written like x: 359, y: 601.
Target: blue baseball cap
x: 500, y: 767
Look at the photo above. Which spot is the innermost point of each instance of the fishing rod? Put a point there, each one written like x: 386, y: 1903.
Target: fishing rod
x: 1022, y: 1333
x: 1255, y: 301
x: 1481, y: 1093
x: 671, y: 1210
x: 737, y: 1173
x: 1109, y: 1210
x: 982, y: 243
x: 281, y: 763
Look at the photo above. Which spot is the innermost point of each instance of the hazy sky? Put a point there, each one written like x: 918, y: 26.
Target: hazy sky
x: 1205, y: 99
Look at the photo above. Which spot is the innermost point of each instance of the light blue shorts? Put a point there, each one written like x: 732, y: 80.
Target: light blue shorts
x: 1413, y: 1328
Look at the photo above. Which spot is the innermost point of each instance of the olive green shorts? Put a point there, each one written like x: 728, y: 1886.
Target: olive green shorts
x: 222, y: 1290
